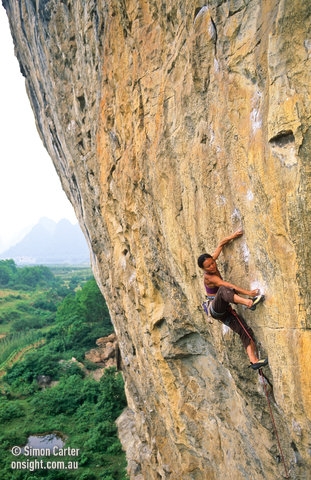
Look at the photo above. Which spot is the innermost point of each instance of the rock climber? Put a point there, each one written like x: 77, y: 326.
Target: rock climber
x: 221, y: 294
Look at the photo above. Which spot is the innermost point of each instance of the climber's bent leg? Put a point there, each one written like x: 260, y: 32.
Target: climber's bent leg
x: 220, y: 304
x: 239, y: 326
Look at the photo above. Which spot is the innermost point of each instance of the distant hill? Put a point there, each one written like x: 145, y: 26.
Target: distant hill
x: 50, y: 243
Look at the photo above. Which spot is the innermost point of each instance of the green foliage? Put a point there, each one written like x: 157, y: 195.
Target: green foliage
x: 83, y: 409
x: 113, y: 397
x: 14, y: 343
x: 35, y: 363
x: 46, y: 301
x: 24, y: 278
x: 29, y: 278
x: 65, y: 397
x: 94, y: 303
x: 74, y: 331
x: 10, y: 410
x: 81, y: 318
x: 34, y: 276
x: 8, y: 271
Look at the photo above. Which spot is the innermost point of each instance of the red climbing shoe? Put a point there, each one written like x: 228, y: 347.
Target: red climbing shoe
x: 261, y: 363
x: 256, y: 301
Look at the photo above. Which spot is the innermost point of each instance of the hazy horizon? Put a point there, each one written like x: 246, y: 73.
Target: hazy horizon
x: 27, y: 230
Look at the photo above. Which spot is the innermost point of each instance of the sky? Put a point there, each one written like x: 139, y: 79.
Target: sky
x: 29, y: 186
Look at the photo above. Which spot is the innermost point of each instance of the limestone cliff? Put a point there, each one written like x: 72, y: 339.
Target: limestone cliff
x: 172, y: 123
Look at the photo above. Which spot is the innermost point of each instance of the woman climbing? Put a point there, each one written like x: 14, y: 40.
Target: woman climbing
x: 221, y: 294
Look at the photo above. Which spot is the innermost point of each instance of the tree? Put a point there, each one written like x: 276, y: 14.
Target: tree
x: 8, y: 271
x: 94, y: 303
x: 81, y: 318
x: 70, y: 315
x: 34, y: 276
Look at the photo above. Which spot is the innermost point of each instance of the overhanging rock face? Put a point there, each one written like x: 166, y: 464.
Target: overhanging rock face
x: 171, y: 124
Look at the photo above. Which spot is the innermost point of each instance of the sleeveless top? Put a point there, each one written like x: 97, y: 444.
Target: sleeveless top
x: 211, y: 291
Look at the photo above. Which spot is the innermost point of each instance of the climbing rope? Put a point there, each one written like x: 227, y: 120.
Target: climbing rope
x: 263, y: 380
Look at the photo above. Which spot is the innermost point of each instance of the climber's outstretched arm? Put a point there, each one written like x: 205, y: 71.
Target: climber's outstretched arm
x: 224, y: 241
x: 216, y: 281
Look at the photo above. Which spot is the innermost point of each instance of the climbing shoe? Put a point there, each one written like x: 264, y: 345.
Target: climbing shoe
x: 261, y: 363
x: 256, y: 301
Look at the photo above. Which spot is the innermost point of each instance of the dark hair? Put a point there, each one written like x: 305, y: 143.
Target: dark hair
x: 202, y: 259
